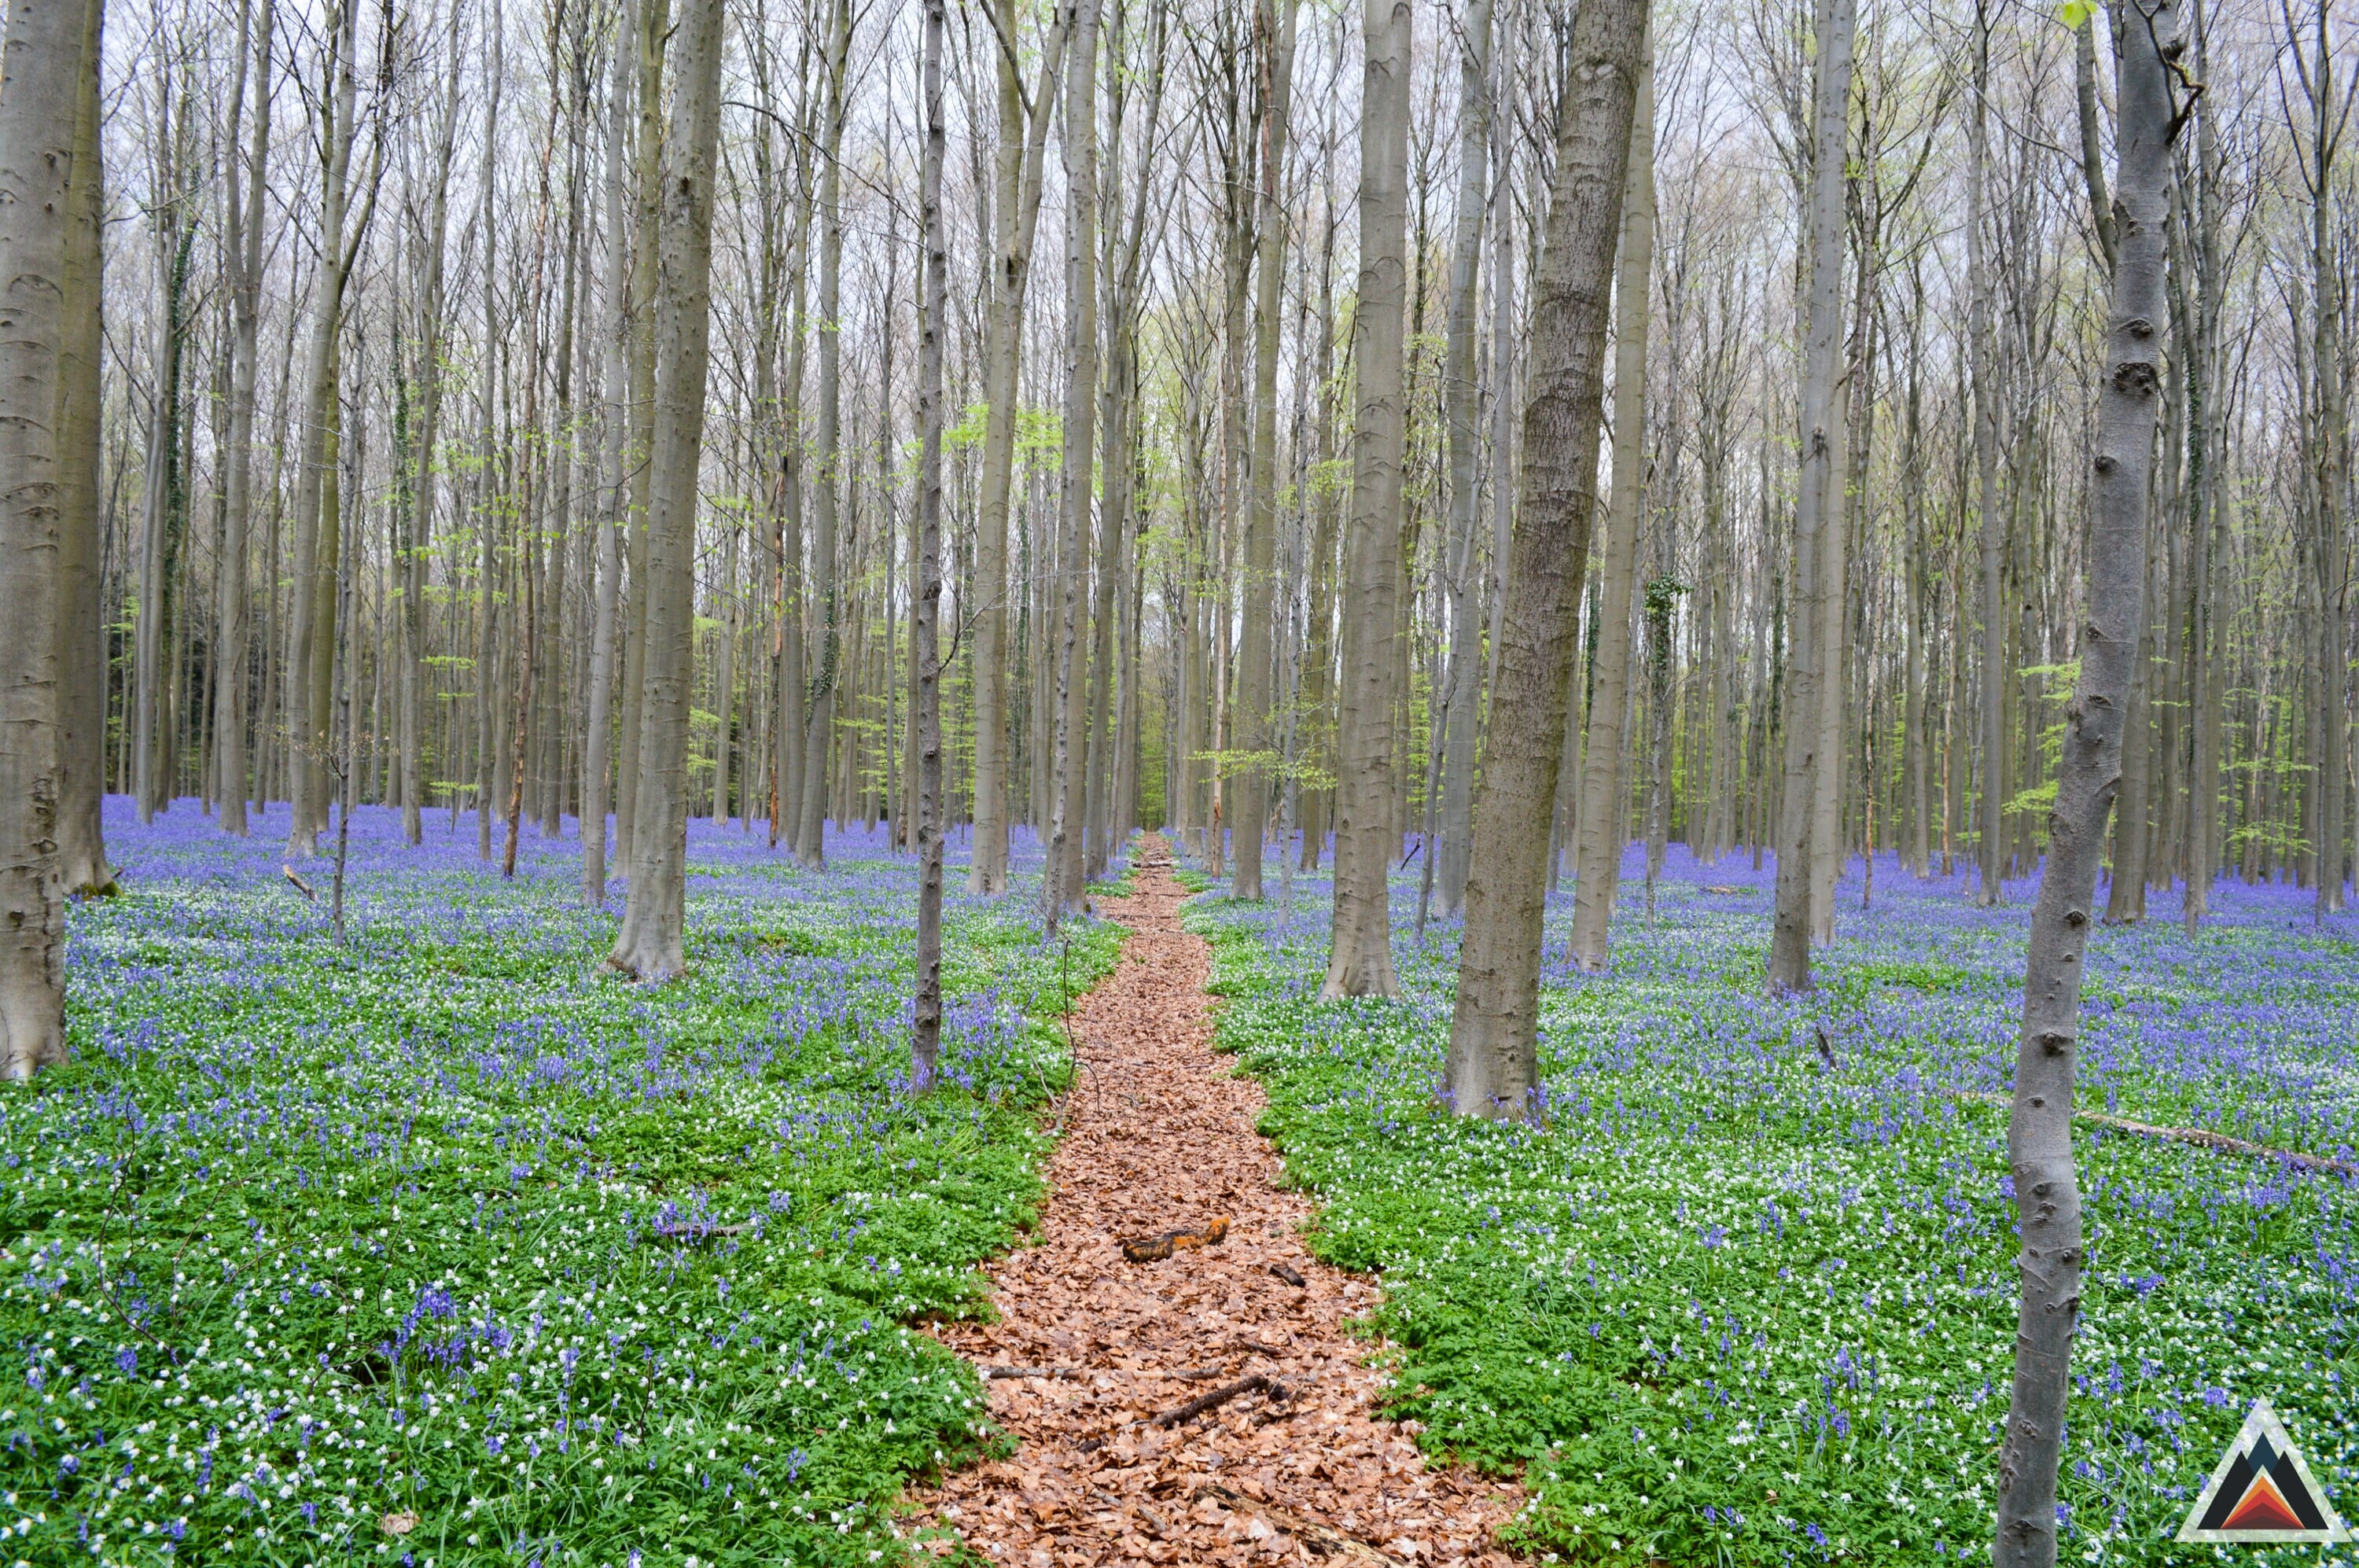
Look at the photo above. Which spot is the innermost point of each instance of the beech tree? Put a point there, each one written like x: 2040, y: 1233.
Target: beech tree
x: 650, y: 945
x: 2039, y: 1119
x: 1360, y: 962
x: 376, y: 514
x: 1493, y: 1063
x: 47, y: 56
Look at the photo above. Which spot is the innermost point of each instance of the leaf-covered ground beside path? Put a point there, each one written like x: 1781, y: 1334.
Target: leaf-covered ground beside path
x: 1735, y: 1305
x: 439, y: 1247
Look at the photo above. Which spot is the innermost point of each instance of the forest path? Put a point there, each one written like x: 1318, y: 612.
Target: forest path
x: 1160, y: 1137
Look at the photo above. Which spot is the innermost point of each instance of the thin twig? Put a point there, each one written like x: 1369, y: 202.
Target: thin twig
x: 1218, y: 1397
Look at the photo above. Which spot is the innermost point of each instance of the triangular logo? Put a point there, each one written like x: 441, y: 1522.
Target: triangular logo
x: 2262, y: 1491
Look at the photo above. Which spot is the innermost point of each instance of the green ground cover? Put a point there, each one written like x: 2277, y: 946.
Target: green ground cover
x: 1736, y: 1303
x: 438, y: 1246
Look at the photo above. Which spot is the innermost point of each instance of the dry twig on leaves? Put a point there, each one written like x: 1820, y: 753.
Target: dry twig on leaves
x: 1218, y: 1397
x: 1031, y: 1371
x: 1153, y: 1248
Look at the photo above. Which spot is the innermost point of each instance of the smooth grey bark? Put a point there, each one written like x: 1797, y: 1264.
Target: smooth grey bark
x: 724, y: 672
x: 1493, y: 1063
x: 1015, y: 210
x: 926, y: 717
x: 819, y: 718
x: 651, y: 944
x: 2329, y: 436
x: 652, y: 31
x: 164, y: 517
x: 427, y: 473
x: 81, y: 634
x: 311, y: 633
x: 1319, y: 653
x: 41, y: 56
x: 2039, y: 1123
x: 2206, y: 501
x: 1818, y: 508
x: 1919, y: 630
x: 1990, y: 793
x: 1360, y: 959
x: 1250, y: 784
x: 615, y: 415
x: 488, y: 480
x: 1061, y: 886
x: 1461, y: 409
x: 1108, y: 757
x: 242, y: 211
x: 1605, y: 786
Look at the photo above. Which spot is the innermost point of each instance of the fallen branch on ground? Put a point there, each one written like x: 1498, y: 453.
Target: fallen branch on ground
x: 1218, y: 1397
x: 2202, y: 1138
x: 1153, y: 1248
x: 1031, y: 1371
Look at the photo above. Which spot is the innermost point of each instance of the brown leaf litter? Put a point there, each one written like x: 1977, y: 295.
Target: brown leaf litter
x: 1100, y: 1364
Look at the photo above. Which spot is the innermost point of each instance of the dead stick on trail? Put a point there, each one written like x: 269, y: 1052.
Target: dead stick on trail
x: 1197, y: 1406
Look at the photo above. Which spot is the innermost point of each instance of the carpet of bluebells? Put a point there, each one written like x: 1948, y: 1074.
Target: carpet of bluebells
x: 439, y: 1245
x: 1741, y: 1300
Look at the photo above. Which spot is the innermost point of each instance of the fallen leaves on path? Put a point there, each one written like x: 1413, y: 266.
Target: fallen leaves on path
x: 1286, y: 1465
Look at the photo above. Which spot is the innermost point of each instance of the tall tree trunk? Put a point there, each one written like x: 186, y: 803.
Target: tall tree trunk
x: 242, y: 211
x: 1015, y: 209
x: 1273, y: 23
x: 1493, y: 1063
x: 926, y: 608
x: 2039, y: 1125
x: 82, y: 670
x: 1462, y: 405
x: 819, y: 720
x: 311, y: 633
x: 2207, y: 530
x: 1119, y: 396
x: 1061, y: 887
x: 614, y: 415
x: 155, y: 672
x: 1990, y: 793
x: 1818, y: 510
x: 42, y: 71
x: 1604, y: 789
x: 654, y: 31
x: 419, y: 544
x: 1360, y: 962
x: 651, y: 944
x: 2330, y: 747
x: 724, y: 674
x: 1319, y: 656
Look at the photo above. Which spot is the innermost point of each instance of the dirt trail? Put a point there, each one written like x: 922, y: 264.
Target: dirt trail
x: 1160, y: 1136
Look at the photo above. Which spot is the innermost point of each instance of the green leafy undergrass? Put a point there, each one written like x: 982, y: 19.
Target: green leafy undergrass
x: 442, y: 1246
x: 1739, y: 1298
